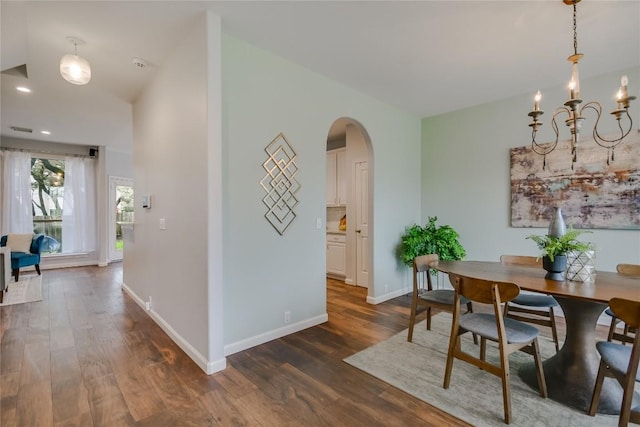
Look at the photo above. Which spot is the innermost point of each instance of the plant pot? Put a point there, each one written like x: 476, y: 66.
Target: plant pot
x: 581, y: 266
x: 556, y: 269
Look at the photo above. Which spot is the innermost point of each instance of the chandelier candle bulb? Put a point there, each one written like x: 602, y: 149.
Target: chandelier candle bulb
x: 624, y: 81
x: 536, y: 101
x: 619, y: 99
x: 572, y: 90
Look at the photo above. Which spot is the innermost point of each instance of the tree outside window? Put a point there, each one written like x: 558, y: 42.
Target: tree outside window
x: 47, y: 190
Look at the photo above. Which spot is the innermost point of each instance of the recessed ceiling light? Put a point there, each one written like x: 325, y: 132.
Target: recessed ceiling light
x: 23, y: 89
x: 45, y: 132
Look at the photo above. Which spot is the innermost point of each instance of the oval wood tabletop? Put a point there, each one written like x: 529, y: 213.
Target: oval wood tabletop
x: 607, y: 285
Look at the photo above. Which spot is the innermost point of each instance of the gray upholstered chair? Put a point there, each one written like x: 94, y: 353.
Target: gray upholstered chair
x: 511, y: 335
x: 531, y: 307
x: 620, y: 362
x: 426, y: 296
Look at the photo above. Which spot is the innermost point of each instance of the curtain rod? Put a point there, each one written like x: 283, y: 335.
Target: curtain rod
x: 24, y: 150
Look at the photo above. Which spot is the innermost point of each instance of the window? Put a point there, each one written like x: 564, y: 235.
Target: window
x: 47, y: 191
x: 50, y: 194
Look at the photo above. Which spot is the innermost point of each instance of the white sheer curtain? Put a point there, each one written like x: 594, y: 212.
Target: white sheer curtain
x: 79, y: 205
x: 17, y: 211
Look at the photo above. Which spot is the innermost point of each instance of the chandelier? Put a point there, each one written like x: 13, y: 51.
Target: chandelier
x: 573, y: 110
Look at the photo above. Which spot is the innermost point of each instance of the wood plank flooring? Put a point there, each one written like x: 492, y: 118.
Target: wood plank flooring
x: 87, y: 355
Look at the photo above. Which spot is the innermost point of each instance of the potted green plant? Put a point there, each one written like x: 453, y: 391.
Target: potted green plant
x: 431, y: 239
x: 554, y: 250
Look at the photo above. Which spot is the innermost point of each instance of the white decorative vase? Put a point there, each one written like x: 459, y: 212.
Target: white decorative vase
x: 581, y: 266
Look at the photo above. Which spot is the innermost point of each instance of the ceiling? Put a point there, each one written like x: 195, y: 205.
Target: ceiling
x: 425, y: 57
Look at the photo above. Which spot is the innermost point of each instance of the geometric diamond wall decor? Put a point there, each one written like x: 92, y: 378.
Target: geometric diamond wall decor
x: 280, y: 183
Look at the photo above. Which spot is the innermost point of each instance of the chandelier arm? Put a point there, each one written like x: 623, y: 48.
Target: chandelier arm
x: 600, y: 140
x: 537, y: 148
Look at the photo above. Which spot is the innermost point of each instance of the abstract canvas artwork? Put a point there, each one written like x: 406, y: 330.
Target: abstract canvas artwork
x: 280, y: 183
x: 592, y: 195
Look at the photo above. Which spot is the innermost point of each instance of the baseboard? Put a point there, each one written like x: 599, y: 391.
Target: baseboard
x: 386, y: 297
x: 348, y: 281
x: 209, y: 367
x: 67, y: 264
x: 247, y: 343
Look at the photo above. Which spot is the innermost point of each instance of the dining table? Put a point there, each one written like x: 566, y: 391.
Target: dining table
x: 570, y: 373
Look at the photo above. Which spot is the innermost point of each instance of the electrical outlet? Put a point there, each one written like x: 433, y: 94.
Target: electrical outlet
x: 287, y: 317
x: 386, y: 289
x: 147, y: 304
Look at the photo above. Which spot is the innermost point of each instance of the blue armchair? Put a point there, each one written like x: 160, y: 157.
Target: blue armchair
x: 24, y: 259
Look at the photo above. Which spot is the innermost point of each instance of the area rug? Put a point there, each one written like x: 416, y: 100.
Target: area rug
x: 27, y: 289
x: 474, y: 396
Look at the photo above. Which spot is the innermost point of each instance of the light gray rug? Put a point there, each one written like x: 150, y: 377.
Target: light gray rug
x: 474, y: 396
x: 27, y: 289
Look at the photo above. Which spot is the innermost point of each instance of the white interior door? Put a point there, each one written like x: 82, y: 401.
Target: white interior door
x: 362, y: 223
x: 120, y: 212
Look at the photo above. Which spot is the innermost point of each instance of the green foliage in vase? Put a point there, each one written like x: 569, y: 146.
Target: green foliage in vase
x: 431, y: 239
x: 551, y: 246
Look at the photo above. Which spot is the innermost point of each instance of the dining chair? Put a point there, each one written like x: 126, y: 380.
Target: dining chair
x: 425, y: 295
x: 620, y: 362
x: 511, y: 335
x: 537, y: 307
x: 624, y: 337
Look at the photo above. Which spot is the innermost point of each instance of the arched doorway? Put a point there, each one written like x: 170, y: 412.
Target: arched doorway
x: 350, y: 201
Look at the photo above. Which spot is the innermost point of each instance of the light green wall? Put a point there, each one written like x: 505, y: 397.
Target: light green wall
x: 466, y: 171
x: 267, y: 274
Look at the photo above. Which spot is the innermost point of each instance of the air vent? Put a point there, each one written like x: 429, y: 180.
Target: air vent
x: 19, y: 129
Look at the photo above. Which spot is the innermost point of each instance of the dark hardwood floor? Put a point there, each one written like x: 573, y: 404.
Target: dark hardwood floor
x: 87, y: 355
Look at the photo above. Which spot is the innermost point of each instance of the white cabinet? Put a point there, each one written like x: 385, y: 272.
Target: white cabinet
x: 336, y: 255
x: 336, y: 177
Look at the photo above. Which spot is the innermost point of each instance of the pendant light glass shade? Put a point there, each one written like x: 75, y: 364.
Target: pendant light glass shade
x: 75, y: 69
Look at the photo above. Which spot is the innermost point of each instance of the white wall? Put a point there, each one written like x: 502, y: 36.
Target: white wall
x: 267, y: 274
x: 172, y: 162
x: 119, y: 163
x: 466, y: 171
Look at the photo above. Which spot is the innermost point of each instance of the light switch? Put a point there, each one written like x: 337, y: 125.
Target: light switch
x: 163, y: 224
x: 318, y: 223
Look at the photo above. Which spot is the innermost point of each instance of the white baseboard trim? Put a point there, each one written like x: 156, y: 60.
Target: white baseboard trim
x: 247, y: 343
x: 209, y: 367
x: 103, y: 264
x: 67, y: 264
x: 388, y: 296
x: 348, y: 281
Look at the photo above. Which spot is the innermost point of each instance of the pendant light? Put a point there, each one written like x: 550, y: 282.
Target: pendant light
x: 73, y: 68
